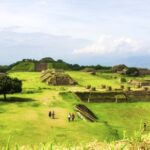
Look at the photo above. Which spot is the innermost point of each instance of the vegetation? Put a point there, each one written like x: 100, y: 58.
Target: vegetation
x: 138, y: 141
x: 4, y: 69
x: 24, y: 66
x: 9, y: 85
x: 120, y: 67
x: 24, y: 116
x: 29, y: 65
x: 134, y: 72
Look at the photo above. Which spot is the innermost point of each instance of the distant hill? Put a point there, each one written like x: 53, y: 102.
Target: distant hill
x: 24, y: 66
x: 39, y: 65
x: 30, y: 65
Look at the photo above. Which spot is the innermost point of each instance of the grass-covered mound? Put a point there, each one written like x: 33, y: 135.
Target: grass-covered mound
x: 29, y: 65
x: 24, y: 66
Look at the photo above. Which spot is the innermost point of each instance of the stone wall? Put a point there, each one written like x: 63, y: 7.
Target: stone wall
x: 41, y: 66
x: 131, y: 96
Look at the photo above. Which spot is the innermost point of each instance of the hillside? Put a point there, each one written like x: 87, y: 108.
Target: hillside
x: 24, y: 66
x: 29, y: 65
x: 25, y: 116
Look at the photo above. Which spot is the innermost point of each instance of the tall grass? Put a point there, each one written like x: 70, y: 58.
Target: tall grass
x: 139, y: 141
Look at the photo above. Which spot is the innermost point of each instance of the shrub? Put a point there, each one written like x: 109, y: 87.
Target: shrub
x: 88, y: 86
x: 120, y: 67
x: 132, y: 72
x: 109, y: 88
x: 128, y: 88
x: 122, y: 80
x: 93, y: 89
x: 103, y: 86
x: 122, y: 87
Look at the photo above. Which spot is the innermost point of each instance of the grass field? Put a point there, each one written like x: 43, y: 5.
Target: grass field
x: 24, y: 116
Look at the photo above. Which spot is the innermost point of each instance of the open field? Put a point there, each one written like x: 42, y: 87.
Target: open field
x: 24, y: 116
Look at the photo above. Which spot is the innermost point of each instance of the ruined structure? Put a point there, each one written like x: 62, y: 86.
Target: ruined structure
x: 139, y: 83
x: 85, y: 113
x: 57, y: 77
x: 41, y: 66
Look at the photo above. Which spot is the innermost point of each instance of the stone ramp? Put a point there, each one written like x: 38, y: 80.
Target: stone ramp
x: 85, y: 112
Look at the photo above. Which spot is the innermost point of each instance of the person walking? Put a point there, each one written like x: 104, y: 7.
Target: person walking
x: 69, y: 117
x: 145, y: 126
x: 53, y: 115
x: 50, y: 114
x: 72, y: 116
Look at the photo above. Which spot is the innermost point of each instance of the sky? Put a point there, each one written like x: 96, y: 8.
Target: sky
x: 78, y: 31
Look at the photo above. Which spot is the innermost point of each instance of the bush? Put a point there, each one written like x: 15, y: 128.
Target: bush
x: 128, y: 88
x: 133, y: 72
x: 122, y: 87
x: 120, y: 67
x: 103, y: 86
x: 122, y: 80
x: 109, y: 88
x: 93, y: 89
x: 88, y: 86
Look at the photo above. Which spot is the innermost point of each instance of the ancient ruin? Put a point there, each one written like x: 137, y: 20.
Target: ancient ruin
x: 57, y: 77
x: 85, y: 113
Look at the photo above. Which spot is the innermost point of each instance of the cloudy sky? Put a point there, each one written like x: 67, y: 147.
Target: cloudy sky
x: 78, y: 31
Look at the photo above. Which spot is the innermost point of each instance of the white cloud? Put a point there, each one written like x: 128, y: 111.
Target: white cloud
x: 41, y: 2
x: 109, y: 45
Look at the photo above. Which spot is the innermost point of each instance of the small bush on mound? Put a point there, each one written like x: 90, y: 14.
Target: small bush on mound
x: 103, y: 86
x: 109, y: 88
x: 93, y: 89
x: 88, y: 86
x: 122, y: 87
x: 128, y: 88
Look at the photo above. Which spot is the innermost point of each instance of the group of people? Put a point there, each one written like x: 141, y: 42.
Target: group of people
x: 71, y: 117
x: 51, y: 114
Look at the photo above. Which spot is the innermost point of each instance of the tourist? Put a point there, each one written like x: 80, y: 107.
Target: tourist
x: 72, y: 117
x: 145, y: 126
x: 69, y: 117
x: 50, y: 114
x: 53, y: 115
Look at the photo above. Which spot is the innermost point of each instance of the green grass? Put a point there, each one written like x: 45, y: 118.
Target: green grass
x: 85, y: 79
x: 25, y: 116
x: 24, y: 66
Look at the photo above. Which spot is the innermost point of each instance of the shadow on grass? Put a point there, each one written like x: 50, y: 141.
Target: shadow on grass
x: 16, y: 100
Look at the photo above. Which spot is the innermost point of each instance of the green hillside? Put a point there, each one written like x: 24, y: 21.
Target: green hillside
x: 24, y: 66
x: 24, y: 116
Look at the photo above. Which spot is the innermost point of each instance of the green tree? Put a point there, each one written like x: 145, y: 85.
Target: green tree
x: 9, y: 85
x: 132, y: 72
x: 120, y: 67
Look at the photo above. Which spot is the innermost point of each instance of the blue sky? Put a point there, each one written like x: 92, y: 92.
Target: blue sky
x: 78, y: 31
